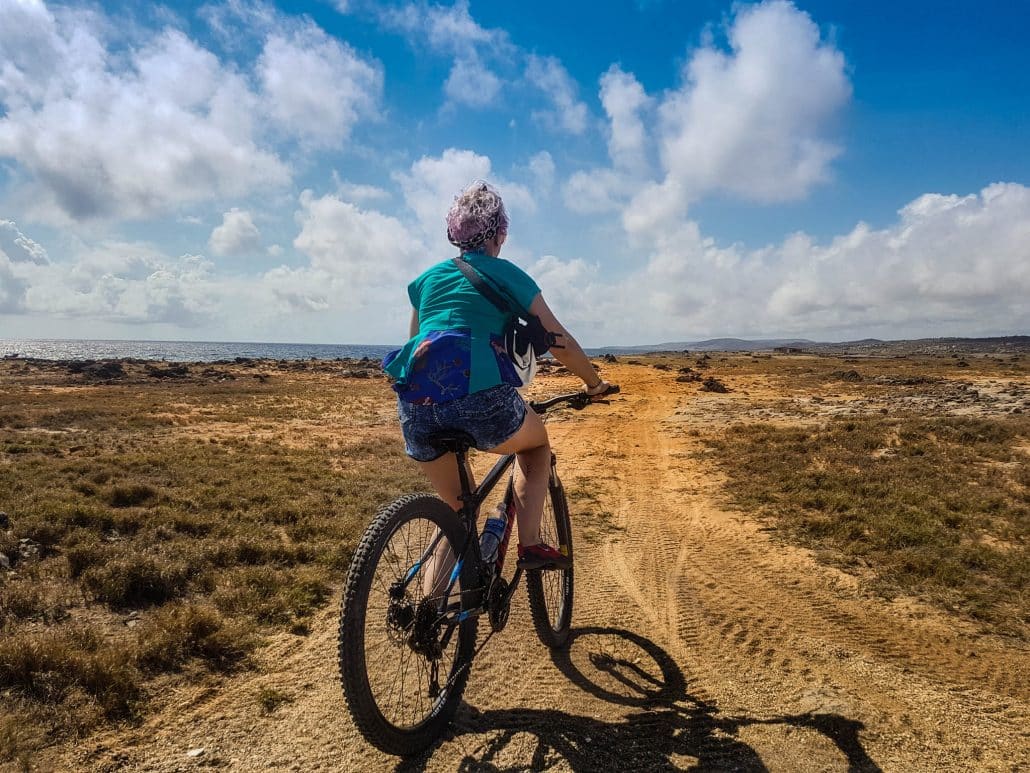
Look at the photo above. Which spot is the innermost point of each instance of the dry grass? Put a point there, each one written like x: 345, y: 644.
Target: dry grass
x: 172, y: 526
x: 938, y: 507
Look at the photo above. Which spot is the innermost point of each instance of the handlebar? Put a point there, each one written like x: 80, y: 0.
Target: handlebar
x: 577, y: 400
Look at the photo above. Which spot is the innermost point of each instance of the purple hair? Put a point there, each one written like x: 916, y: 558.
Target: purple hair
x: 476, y: 216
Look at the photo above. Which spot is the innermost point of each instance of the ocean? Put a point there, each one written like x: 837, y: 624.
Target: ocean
x: 182, y: 351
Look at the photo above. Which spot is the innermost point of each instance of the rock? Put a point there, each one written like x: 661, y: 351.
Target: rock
x: 712, y: 384
x: 175, y: 370
x: 5, y: 563
x: 634, y: 362
x: 610, y: 358
x: 662, y: 366
x: 194, y: 753
x: 28, y: 549
x: 5, y: 521
x: 102, y: 371
x: 847, y: 375
x: 688, y: 377
x: 962, y: 364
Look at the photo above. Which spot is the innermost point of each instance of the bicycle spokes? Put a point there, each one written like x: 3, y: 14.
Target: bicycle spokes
x: 406, y: 636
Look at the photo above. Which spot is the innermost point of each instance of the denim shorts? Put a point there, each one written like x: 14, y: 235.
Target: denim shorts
x: 490, y: 417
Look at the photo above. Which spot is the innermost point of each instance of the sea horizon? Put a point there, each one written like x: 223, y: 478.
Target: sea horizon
x: 213, y: 351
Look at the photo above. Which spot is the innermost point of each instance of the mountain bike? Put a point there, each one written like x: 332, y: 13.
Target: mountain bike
x: 417, y: 587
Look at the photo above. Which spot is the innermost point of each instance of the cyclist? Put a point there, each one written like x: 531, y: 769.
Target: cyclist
x: 453, y: 374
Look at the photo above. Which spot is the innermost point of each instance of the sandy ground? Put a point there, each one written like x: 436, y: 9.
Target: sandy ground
x: 700, y: 642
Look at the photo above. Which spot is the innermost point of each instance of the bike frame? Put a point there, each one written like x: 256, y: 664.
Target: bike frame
x: 471, y: 500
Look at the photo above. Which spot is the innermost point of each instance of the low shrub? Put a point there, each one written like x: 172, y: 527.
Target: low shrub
x: 136, y: 581
x: 46, y: 666
x: 130, y: 496
x: 176, y: 633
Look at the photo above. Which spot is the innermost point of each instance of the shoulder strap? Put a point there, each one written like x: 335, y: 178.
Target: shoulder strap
x: 542, y: 338
x: 484, y: 287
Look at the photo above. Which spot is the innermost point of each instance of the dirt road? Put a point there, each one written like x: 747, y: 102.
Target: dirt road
x: 701, y: 643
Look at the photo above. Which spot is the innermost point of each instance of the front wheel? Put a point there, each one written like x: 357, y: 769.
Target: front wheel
x: 550, y: 590
x: 404, y: 665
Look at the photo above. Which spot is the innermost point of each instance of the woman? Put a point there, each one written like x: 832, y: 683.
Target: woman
x: 453, y: 374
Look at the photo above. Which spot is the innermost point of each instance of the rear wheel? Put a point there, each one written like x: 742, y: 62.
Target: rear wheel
x: 550, y: 590
x: 402, y: 674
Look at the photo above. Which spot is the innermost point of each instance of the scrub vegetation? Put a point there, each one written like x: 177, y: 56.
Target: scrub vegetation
x: 914, y: 481
x: 160, y: 532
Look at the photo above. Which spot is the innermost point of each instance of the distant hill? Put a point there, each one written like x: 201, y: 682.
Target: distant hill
x: 709, y: 345
x: 868, y: 346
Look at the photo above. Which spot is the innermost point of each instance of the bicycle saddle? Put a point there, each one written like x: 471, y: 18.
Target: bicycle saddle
x: 452, y: 441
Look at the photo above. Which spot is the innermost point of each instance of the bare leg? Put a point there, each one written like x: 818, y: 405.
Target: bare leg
x: 534, y: 451
x: 443, y: 475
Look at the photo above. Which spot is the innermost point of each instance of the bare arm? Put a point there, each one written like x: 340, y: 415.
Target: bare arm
x: 572, y: 356
x: 413, y: 325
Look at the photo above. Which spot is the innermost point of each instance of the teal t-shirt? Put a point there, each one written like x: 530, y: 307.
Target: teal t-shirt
x: 447, y: 301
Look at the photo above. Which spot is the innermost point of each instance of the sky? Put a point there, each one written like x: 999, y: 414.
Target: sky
x: 674, y: 171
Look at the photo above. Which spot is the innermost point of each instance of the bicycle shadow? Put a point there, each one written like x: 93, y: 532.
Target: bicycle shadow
x: 665, y: 728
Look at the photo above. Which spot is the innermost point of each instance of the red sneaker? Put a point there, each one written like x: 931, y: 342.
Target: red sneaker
x: 542, y: 556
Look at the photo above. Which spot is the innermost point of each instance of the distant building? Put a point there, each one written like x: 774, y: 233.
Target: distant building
x: 788, y: 350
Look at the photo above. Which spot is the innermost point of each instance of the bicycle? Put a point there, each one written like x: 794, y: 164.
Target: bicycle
x: 417, y: 587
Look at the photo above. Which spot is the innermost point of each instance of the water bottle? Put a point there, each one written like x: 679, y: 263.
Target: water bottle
x: 493, y: 533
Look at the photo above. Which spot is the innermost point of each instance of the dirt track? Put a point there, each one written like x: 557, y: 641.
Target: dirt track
x: 701, y: 642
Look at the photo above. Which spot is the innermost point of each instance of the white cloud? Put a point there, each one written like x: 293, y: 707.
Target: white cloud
x: 549, y: 76
x: 624, y: 100
x: 18, y: 247
x: 359, y: 191
x: 236, y: 235
x: 451, y: 31
x: 950, y: 265
x: 316, y: 88
x: 471, y: 83
x: 752, y: 121
x: 594, y: 191
x: 361, y: 250
x: 127, y: 283
x: 541, y: 166
x: 445, y: 29
x: 135, y: 128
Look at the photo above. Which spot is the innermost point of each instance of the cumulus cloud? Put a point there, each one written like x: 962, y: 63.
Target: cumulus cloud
x: 950, y: 265
x: 445, y: 29
x: 102, y: 129
x: 548, y: 75
x: 18, y: 247
x: 751, y: 121
x: 624, y: 101
x: 359, y: 191
x: 236, y: 235
x: 360, y: 249
x: 471, y: 83
x: 316, y: 87
x: 541, y: 166
x: 127, y: 283
x: 452, y: 32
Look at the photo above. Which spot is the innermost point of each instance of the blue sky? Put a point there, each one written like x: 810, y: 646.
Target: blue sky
x: 674, y: 171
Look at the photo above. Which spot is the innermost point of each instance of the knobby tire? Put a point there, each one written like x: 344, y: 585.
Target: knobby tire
x: 368, y: 715
x: 550, y: 590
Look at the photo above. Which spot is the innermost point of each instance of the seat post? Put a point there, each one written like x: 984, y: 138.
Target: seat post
x: 463, y: 475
